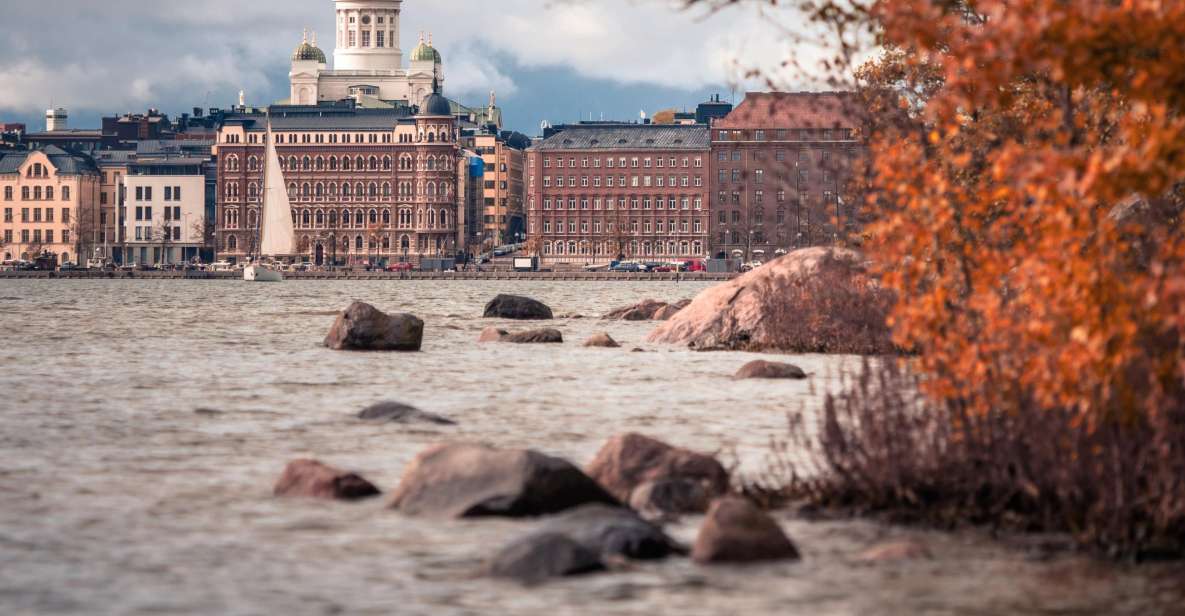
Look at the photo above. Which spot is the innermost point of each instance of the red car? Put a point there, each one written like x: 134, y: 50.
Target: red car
x: 694, y: 266
x: 399, y: 267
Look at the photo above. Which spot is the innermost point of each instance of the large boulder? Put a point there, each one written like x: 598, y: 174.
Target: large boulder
x: 629, y: 460
x: 516, y: 307
x: 735, y: 530
x: 463, y: 480
x: 613, y: 532
x: 537, y: 557
x: 535, y: 336
x: 761, y: 369
x: 397, y: 412
x: 602, y: 340
x: 313, y: 479
x: 812, y: 300
x: 362, y: 327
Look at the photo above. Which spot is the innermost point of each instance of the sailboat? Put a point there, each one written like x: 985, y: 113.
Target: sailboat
x: 277, y: 237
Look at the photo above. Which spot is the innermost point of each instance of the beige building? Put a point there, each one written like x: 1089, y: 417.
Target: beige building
x: 502, y: 189
x: 49, y: 199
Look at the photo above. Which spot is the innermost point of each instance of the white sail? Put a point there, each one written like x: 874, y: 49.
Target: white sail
x: 278, y: 237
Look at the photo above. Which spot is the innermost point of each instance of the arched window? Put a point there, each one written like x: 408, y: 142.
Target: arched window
x: 292, y: 190
x: 346, y: 218
x: 345, y: 163
x: 304, y: 190
x: 252, y: 190
x: 333, y: 163
x: 346, y: 190
x: 292, y: 163
x: 443, y: 137
x: 404, y: 242
x: 431, y: 137
x: 232, y: 243
x: 386, y: 163
x: 232, y: 162
x: 359, y: 217
x: 431, y: 163
x: 319, y: 190
x: 386, y: 243
x: 559, y: 248
x: 386, y: 218
x: 374, y: 163
x: 431, y: 189
x: 372, y: 190
x: 420, y: 219
x: 546, y: 248
x: 359, y: 163
x: 252, y: 163
x: 386, y: 189
x: 358, y: 242
x: 319, y: 218
x: 252, y: 219
x: 49, y: 193
x: 374, y: 217
x: 431, y: 219
x: 304, y: 218
x: 358, y: 189
x: 443, y: 218
x: 332, y: 218
x: 332, y: 189
x: 306, y: 163
x: 320, y: 163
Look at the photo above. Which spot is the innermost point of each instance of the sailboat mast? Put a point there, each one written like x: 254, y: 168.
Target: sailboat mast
x: 267, y: 143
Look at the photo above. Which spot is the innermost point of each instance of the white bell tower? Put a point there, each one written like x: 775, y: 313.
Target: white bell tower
x: 368, y: 36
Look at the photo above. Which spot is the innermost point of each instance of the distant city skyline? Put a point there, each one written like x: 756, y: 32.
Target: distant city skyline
x: 610, y: 60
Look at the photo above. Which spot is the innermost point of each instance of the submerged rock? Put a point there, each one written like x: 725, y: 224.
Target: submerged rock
x: 642, y: 311
x: 613, y: 532
x: 535, y: 336
x: 629, y: 460
x: 535, y: 558
x: 735, y: 530
x: 893, y: 551
x: 313, y: 479
x: 463, y: 480
x: 516, y: 307
x: 401, y: 413
x: 761, y: 369
x: 748, y: 312
x: 492, y: 334
x: 666, y: 312
x: 362, y: 327
x: 602, y: 340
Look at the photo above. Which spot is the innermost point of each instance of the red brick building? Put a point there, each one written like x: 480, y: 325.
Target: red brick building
x: 598, y: 192
x: 783, y: 166
x: 366, y: 185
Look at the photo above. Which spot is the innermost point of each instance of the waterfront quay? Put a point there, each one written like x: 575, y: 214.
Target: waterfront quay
x: 364, y: 275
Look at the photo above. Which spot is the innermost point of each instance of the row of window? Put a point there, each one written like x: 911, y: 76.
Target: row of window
x: 635, y: 203
x: 783, y: 134
x: 36, y: 193
x: 145, y: 212
x: 359, y: 244
x: 158, y: 234
x: 636, y: 162
x: 804, y: 155
x: 758, y: 176
x: 37, y: 236
x: 635, y: 226
x: 620, y: 181
x: 804, y: 197
x: 429, y: 219
x: 359, y: 191
x: 633, y: 249
x: 37, y: 214
x: 428, y: 134
x: 37, y: 170
x: 345, y: 163
x: 144, y: 193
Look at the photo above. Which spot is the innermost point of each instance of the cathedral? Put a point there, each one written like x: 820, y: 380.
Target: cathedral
x: 367, y: 61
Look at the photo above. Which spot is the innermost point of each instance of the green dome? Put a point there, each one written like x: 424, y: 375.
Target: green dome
x: 308, y: 52
x: 425, y: 53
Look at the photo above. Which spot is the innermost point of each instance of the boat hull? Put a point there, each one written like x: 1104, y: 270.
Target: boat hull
x: 261, y: 273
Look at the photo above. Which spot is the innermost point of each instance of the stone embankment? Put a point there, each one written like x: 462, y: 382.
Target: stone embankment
x: 362, y: 275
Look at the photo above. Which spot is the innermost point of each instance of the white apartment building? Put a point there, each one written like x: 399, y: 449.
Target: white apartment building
x: 165, y: 216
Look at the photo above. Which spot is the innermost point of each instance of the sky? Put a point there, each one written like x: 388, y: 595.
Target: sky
x: 547, y: 60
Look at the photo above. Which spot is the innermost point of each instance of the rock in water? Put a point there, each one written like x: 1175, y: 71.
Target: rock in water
x: 612, y: 532
x: 516, y: 307
x: 312, y: 479
x: 666, y: 312
x: 401, y: 413
x: 462, y: 480
x: 736, y: 531
x: 669, y: 496
x: 751, y: 312
x: 536, y: 336
x: 895, y: 551
x: 492, y: 334
x: 535, y: 558
x: 642, y: 311
x: 626, y: 461
x: 761, y: 369
x: 362, y: 327
x: 602, y: 340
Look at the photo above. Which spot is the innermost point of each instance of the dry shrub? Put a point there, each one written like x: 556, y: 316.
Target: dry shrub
x: 835, y: 311
x: 881, y: 448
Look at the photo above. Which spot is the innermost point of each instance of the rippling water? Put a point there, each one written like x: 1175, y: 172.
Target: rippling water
x: 142, y: 424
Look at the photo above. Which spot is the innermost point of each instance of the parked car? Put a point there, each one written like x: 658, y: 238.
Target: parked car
x: 400, y: 267
x: 627, y: 267
x: 694, y: 265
